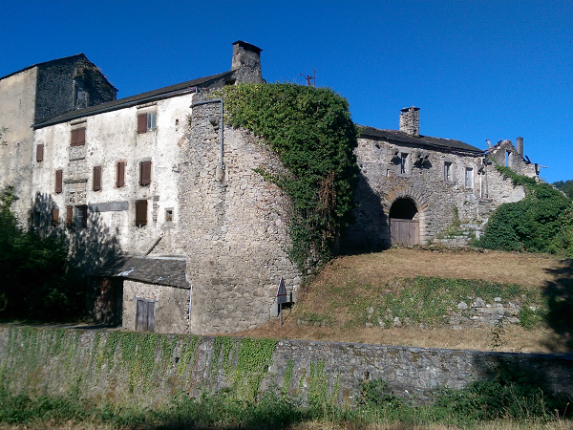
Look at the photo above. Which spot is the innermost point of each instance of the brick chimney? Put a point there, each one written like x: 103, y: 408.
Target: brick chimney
x: 410, y: 121
x: 247, y: 63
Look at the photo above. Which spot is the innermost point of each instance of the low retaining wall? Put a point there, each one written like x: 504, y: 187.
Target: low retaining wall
x: 145, y: 369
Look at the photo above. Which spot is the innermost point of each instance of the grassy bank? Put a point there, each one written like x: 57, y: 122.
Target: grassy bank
x: 481, y: 405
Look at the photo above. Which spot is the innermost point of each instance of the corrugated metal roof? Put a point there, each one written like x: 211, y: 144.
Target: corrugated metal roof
x: 401, y: 138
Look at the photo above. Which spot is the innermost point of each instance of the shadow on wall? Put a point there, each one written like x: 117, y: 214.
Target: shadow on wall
x: 559, y: 296
x: 370, y: 231
x: 92, y: 249
x: 518, y: 385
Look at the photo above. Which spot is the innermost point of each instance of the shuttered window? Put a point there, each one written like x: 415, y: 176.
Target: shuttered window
x: 142, y: 123
x: 59, y: 181
x: 120, y: 174
x: 79, y: 136
x: 140, y: 213
x: 40, y: 152
x: 146, y: 122
x: 145, y: 173
x: 55, y: 217
x: 97, y: 178
x: 69, y: 215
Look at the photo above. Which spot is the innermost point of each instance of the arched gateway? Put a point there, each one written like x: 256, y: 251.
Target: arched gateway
x: 404, y: 225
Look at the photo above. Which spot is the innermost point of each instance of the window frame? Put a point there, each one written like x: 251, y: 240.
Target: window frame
x: 146, y: 121
x: 469, y: 170
x: 448, y: 172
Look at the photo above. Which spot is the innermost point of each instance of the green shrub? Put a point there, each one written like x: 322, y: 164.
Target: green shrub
x: 38, y: 282
x: 311, y: 131
x: 541, y: 222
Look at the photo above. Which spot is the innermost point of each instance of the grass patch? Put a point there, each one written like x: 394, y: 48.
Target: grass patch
x: 427, y: 301
x: 494, y: 401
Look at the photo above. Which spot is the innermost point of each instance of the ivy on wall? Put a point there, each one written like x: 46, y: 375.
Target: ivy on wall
x: 311, y: 131
x: 541, y: 222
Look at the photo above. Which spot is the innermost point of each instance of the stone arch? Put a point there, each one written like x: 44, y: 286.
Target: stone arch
x: 413, y: 215
x: 418, y: 197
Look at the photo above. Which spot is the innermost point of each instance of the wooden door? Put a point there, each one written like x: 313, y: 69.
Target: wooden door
x: 145, y: 315
x: 404, y: 231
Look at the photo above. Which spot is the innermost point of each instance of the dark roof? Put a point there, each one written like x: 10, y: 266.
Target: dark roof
x: 401, y: 138
x: 149, y: 96
x: 160, y: 271
x: 64, y: 59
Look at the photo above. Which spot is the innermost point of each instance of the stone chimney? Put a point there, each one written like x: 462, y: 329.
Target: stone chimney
x: 519, y: 145
x: 247, y: 63
x: 410, y: 121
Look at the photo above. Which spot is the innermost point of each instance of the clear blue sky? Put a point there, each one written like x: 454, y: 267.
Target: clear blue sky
x: 477, y: 69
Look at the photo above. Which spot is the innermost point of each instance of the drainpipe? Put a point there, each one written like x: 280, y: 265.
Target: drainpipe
x: 190, y: 303
x: 221, y: 167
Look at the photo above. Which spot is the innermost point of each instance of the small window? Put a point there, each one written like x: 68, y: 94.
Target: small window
x: 145, y: 173
x: 82, y: 216
x: 78, y: 137
x: 469, y: 177
x: 55, y: 217
x: 146, y: 122
x: 168, y: 215
x: 97, y: 178
x: 120, y: 180
x: 403, y: 162
x: 59, y: 181
x: 40, y: 152
x: 140, y: 213
x: 448, y: 171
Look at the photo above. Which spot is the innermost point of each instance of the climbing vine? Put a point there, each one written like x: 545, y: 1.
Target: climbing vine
x: 311, y: 131
x: 541, y: 222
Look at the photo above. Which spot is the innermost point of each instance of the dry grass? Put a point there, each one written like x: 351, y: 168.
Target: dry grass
x: 381, y: 271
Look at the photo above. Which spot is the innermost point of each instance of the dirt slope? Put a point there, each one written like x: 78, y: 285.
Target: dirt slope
x: 347, y: 278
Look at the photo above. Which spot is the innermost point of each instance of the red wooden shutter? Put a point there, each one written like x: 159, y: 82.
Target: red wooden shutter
x: 142, y: 123
x: 40, y: 152
x: 97, y: 178
x: 69, y: 215
x: 145, y: 172
x: 55, y: 217
x: 59, y: 184
x: 140, y: 213
x: 78, y: 136
x: 120, y: 174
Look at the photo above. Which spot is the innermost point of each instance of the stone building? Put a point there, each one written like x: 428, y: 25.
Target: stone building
x: 413, y: 188
x: 162, y: 205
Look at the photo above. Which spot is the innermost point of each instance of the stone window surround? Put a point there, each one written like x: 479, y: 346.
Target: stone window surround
x: 405, y: 162
x: 448, y: 171
x: 469, y: 170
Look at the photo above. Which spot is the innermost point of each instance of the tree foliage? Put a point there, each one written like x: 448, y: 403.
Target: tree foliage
x: 312, y: 132
x: 541, y: 222
x: 37, y: 280
x: 566, y: 187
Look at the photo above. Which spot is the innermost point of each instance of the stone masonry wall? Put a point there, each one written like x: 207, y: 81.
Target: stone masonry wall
x: 437, y: 200
x: 171, y: 306
x: 237, y: 238
x: 147, y: 369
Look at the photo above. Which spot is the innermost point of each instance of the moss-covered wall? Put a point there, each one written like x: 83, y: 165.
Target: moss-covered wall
x: 146, y: 369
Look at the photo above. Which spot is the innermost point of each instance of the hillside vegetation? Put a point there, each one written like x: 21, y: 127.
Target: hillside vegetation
x: 358, y: 298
